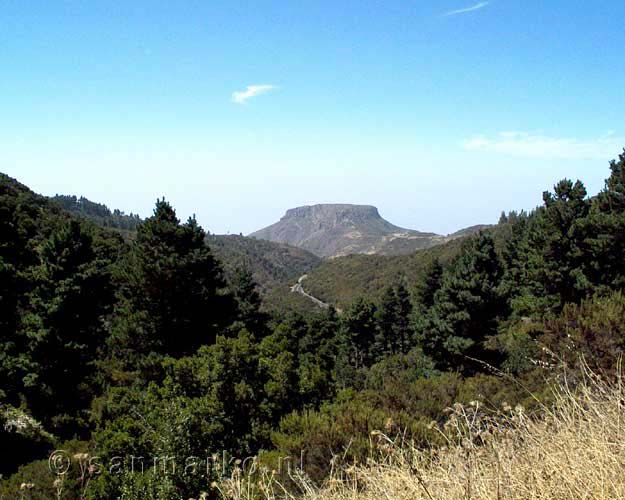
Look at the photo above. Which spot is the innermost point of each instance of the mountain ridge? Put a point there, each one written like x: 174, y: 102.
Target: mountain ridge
x: 340, y: 229
x: 274, y: 266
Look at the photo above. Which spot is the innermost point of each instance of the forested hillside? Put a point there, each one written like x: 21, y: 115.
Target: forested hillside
x: 276, y: 266
x: 273, y: 266
x: 98, y: 213
x: 149, y: 346
x: 341, y: 280
x: 272, y: 263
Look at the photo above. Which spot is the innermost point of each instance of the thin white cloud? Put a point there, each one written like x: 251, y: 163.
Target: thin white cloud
x: 251, y: 91
x: 532, y: 145
x: 464, y: 10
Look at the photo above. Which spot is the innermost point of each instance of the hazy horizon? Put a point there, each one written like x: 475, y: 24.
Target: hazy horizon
x: 441, y: 114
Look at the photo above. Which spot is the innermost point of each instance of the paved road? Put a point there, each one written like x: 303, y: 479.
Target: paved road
x: 299, y: 288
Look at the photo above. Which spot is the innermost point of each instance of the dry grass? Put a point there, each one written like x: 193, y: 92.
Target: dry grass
x: 575, y: 450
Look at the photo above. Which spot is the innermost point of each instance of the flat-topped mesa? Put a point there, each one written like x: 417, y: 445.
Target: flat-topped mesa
x: 334, y: 212
x: 336, y: 229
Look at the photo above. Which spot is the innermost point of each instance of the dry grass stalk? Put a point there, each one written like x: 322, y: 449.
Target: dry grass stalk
x: 575, y: 451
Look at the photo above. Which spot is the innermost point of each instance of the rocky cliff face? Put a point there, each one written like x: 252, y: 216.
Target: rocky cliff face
x: 337, y: 229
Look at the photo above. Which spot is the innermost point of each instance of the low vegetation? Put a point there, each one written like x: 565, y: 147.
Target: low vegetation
x: 571, y: 449
x: 151, y: 346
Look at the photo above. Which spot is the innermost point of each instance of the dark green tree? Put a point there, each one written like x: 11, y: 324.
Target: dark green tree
x: 11, y: 348
x: 176, y: 289
x: 66, y: 330
x: 317, y: 358
x: 467, y: 307
x: 432, y: 281
x: 524, y: 263
x: 565, y: 210
x: 394, y: 333
x: 355, y: 341
x: 604, y: 230
x: 248, y: 300
x: 207, y: 403
x: 387, y: 314
x: 278, y: 357
x: 359, y: 325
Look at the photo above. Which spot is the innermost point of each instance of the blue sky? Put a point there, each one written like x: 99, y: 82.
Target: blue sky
x: 441, y: 113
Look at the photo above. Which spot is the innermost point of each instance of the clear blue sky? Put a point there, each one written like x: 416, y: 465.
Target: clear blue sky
x: 441, y: 113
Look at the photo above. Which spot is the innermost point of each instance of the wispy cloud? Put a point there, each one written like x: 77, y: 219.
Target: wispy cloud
x: 251, y: 91
x: 532, y: 145
x: 464, y: 10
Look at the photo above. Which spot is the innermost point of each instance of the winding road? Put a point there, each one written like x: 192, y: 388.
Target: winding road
x: 299, y: 288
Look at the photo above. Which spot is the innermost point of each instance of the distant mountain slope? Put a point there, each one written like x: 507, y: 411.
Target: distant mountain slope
x: 19, y: 203
x: 274, y: 266
x: 277, y: 266
x: 468, y: 231
x: 340, y: 281
x: 97, y: 212
x: 335, y: 230
x: 271, y: 263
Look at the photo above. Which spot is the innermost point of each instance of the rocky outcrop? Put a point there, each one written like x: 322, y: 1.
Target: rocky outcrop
x: 338, y: 229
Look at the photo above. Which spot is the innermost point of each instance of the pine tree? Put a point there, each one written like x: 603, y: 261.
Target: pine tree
x: 359, y: 325
x: 317, y: 358
x: 278, y: 364
x: 431, y: 283
x: 10, y: 347
x: 355, y: 341
x: 565, y: 210
x: 248, y: 299
x: 467, y: 306
x: 176, y: 286
x: 604, y: 229
x: 403, y: 332
x: 613, y: 197
x: 73, y: 296
x: 393, y: 322
x: 386, y: 320
x: 523, y: 260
